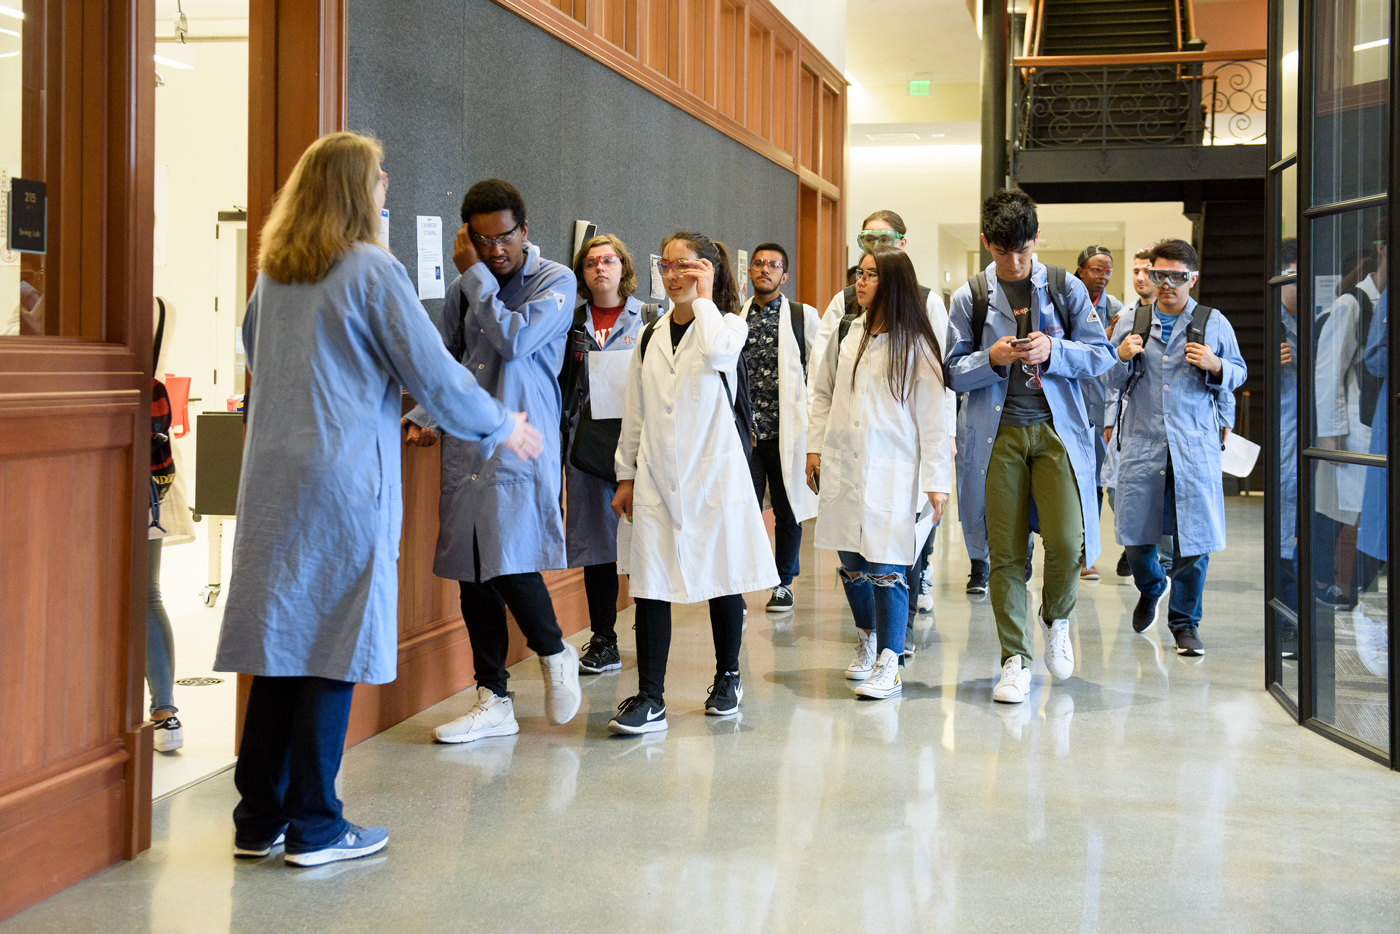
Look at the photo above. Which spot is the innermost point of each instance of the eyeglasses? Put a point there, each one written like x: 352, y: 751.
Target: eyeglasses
x: 870, y: 239
x: 1170, y: 277
x: 867, y: 275
x: 500, y: 240
x: 759, y: 265
x: 1032, y: 372
x: 384, y: 179
x: 1105, y: 271
x: 666, y: 266
x: 609, y: 260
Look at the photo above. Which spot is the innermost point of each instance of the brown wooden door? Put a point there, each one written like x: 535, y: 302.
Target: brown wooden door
x: 75, y: 754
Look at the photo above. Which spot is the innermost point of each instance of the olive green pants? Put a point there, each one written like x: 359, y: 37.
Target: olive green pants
x: 1031, y: 461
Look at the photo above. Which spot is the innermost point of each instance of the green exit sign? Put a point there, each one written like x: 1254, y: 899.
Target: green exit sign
x: 918, y: 88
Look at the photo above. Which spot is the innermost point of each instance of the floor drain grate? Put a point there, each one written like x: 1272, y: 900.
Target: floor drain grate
x: 198, y: 682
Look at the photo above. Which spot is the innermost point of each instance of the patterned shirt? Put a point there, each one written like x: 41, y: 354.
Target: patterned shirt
x: 761, y: 358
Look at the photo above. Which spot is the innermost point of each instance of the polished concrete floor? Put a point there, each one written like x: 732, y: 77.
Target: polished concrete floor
x: 1147, y: 793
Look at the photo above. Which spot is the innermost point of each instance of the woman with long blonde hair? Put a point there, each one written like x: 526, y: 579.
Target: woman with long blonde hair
x: 333, y: 333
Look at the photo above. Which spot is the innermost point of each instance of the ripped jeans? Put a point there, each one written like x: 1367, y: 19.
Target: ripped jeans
x: 879, y: 598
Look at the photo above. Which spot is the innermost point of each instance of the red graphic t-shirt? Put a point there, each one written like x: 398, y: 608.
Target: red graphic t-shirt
x: 604, y: 319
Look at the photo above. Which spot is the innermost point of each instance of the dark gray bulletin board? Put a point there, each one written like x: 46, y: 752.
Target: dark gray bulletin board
x: 462, y: 90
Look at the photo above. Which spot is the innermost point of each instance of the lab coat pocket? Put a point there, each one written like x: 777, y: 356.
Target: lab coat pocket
x: 645, y: 492
x: 726, y: 478
x: 889, y: 484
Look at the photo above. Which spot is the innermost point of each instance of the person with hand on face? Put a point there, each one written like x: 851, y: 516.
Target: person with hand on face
x: 506, y: 317
x: 1028, y: 433
x: 880, y: 435
x: 1172, y: 382
x: 609, y: 321
x: 776, y: 353
x: 1095, y: 270
x: 696, y: 532
x: 334, y: 333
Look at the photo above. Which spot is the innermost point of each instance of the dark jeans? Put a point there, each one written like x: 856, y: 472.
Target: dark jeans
x: 766, y: 466
x: 915, y: 572
x: 600, y: 584
x: 654, y: 640
x: 1188, y: 571
x: 484, y: 610
x: 293, y: 737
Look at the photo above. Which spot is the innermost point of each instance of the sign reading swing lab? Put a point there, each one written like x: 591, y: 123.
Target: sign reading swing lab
x: 26, y: 225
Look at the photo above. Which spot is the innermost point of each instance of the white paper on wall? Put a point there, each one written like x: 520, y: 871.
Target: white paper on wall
x: 384, y: 228
x: 430, y: 272
x: 607, y: 381
x: 1325, y: 290
x: 658, y: 290
x: 741, y: 275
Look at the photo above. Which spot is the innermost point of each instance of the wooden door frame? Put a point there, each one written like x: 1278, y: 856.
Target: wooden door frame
x: 67, y: 811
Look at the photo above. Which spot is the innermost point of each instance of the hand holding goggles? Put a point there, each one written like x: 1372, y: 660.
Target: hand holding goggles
x: 1171, y: 277
x: 868, y: 240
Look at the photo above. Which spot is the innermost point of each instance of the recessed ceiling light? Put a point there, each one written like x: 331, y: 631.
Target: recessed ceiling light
x: 891, y: 136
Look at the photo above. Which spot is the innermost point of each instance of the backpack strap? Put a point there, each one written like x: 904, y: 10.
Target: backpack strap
x: 844, y: 327
x: 1196, y: 330
x: 1059, y: 296
x: 797, y: 313
x: 160, y: 336
x: 646, y: 337
x: 980, y: 303
x: 1142, y: 321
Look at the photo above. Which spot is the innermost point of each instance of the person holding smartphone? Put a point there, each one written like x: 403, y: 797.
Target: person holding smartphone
x: 610, y: 320
x: 880, y: 435
x: 684, y: 486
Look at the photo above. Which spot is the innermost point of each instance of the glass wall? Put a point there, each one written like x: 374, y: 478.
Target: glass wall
x: 1329, y: 620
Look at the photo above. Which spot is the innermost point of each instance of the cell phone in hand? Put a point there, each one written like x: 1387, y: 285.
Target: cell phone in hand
x: 1020, y: 342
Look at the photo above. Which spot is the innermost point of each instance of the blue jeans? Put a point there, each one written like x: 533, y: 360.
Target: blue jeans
x: 160, y: 641
x: 879, y: 599
x: 1188, y: 571
x: 766, y: 469
x: 293, y: 738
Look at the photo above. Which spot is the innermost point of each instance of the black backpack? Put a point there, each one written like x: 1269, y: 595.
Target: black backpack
x: 1142, y: 327
x: 739, y: 402
x: 853, y: 312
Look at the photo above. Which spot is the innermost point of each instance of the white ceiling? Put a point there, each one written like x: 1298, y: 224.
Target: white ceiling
x: 199, y: 9
x: 896, y: 41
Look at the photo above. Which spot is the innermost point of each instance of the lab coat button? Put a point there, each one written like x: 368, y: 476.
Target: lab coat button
x: 998, y: 408
x: 989, y: 440
x: 668, y: 410
x: 473, y: 476
x: 481, y: 366
x: 1162, y: 472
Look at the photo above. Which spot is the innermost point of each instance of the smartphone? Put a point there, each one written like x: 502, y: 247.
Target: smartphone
x: 1021, y: 342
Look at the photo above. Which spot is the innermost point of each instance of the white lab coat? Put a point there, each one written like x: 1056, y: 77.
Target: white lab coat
x: 792, y: 406
x: 879, y: 457
x: 696, y: 529
x: 1337, y: 386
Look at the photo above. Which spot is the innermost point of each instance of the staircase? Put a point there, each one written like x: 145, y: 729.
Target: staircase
x: 1145, y: 104
x: 1230, y: 240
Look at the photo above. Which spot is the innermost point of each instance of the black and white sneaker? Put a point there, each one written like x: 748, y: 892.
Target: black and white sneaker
x: 244, y: 848
x: 1124, y: 569
x: 638, y: 714
x: 781, y: 601
x: 725, y: 695
x: 599, y: 655
x: 168, y: 734
x: 976, y: 583
x: 1145, y: 613
x: 1188, y: 643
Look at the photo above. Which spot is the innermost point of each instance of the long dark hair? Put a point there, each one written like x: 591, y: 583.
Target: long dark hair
x: 726, y: 290
x: 898, y: 307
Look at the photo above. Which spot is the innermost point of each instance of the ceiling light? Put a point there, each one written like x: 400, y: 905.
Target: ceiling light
x: 1376, y: 44
x: 8, y: 54
x: 11, y: 11
x: 171, y: 62
x: 891, y: 136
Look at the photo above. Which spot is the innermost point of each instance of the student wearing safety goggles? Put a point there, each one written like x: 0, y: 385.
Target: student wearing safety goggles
x: 1176, y: 370
x: 885, y: 228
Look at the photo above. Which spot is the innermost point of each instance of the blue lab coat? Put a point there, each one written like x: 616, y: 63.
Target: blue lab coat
x: 1371, y: 536
x: 511, y: 338
x: 1175, y: 407
x: 315, y: 581
x: 1288, y: 439
x: 1082, y: 355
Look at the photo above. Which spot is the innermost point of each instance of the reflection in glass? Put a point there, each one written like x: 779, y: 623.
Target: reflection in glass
x: 1287, y: 201
x: 1288, y: 83
x: 21, y: 304
x: 1350, y: 587
x: 1287, y: 393
x: 1350, y: 127
x: 1348, y: 273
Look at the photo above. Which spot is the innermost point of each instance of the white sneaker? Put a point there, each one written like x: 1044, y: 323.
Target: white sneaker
x: 864, y: 663
x: 561, y: 691
x: 492, y: 715
x: 168, y: 734
x: 1372, y: 642
x: 1059, y: 652
x: 1015, y: 683
x: 1060, y: 713
x: 925, y: 603
x: 884, y: 680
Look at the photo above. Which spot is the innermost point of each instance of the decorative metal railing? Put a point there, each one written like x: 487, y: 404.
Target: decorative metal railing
x: 1125, y: 101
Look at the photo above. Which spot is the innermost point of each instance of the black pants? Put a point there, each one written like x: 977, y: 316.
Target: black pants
x: 654, y: 640
x: 766, y: 468
x: 600, y: 584
x: 484, y: 610
x: 293, y: 737
x: 914, y: 575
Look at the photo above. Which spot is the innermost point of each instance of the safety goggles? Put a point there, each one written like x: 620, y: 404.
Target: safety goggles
x: 608, y: 261
x: 496, y: 241
x: 758, y: 265
x: 666, y: 267
x: 867, y: 275
x: 1105, y: 271
x: 868, y: 240
x: 1170, y: 277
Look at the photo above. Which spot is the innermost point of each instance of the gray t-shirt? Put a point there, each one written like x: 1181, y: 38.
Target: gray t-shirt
x: 1025, y: 404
